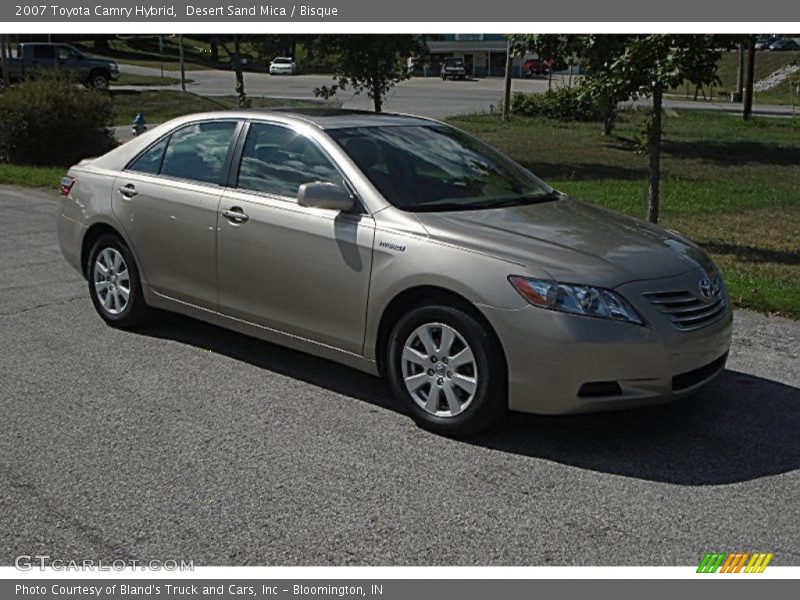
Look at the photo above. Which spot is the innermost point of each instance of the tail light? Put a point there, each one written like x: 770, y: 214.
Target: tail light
x: 67, y: 181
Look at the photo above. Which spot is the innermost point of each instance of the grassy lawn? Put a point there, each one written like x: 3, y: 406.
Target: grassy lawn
x: 144, y: 52
x: 161, y: 105
x: 31, y: 176
x: 766, y: 64
x: 734, y: 187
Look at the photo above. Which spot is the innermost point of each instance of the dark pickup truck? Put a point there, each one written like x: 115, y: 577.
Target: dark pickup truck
x: 33, y: 57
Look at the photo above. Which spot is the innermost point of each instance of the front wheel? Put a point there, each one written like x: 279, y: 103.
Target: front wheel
x: 114, y: 283
x: 99, y: 81
x: 448, y: 369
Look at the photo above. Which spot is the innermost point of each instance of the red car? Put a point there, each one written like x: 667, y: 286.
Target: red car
x: 535, y: 66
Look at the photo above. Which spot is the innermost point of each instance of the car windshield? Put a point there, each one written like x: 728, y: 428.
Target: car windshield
x: 454, y: 62
x: 282, y: 61
x: 437, y: 168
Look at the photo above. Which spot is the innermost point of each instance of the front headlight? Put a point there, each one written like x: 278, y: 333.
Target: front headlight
x: 575, y: 299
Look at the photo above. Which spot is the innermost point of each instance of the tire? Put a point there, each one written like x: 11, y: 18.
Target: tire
x: 111, y: 269
x: 451, y: 399
x: 99, y: 81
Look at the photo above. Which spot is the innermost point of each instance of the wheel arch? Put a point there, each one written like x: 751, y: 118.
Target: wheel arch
x: 90, y: 237
x: 420, y: 295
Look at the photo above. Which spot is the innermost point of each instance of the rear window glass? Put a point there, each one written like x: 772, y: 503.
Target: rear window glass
x: 198, y: 151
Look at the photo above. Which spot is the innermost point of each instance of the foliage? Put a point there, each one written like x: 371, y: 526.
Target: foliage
x: 52, y: 121
x: 566, y: 104
x: 370, y: 64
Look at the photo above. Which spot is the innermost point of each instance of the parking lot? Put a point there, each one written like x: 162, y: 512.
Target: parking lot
x: 183, y: 440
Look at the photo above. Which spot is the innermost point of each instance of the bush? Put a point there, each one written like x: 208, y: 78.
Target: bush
x: 52, y: 121
x: 565, y: 104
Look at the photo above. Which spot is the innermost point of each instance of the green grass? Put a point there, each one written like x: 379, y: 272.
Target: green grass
x: 766, y: 64
x: 31, y: 176
x: 732, y: 186
x: 143, y: 52
x: 134, y: 79
x: 161, y: 105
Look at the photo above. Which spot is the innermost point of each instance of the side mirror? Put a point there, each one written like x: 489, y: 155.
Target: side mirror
x: 325, y: 195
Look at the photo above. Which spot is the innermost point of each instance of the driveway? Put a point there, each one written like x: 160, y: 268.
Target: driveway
x: 182, y: 440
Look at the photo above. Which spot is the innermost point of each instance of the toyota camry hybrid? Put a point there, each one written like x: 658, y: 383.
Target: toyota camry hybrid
x: 403, y: 247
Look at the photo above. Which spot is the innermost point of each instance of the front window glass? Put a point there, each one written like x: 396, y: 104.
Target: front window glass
x: 198, y: 151
x: 277, y: 160
x: 437, y: 168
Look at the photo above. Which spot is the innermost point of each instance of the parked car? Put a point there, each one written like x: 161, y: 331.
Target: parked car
x: 34, y: 57
x: 763, y: 41
x: 400, y: 246
x: 453, y: 68
x: 283, y: 65
x: 535, y: 67
x: 784, y: 44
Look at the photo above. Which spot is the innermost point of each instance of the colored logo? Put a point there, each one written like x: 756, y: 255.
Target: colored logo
x: 734, y: 562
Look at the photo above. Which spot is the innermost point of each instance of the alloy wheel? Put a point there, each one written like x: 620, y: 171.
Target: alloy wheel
x: 439, y: 370
x: 112, y: 282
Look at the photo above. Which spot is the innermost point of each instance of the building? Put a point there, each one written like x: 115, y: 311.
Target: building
x: 484, y: 54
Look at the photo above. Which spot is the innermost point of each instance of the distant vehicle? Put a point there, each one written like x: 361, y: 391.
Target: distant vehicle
x: 784, y: 44
x: 535, y: 66
x: 453, y: 68
x: 283, y: 65
x: 33, y: 57
x: 763, y: 41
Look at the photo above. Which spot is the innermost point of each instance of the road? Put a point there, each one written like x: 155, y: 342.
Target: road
x: 430, y: 97
x: 182, y: 440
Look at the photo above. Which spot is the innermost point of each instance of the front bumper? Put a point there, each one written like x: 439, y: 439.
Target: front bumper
x: 561, y: 364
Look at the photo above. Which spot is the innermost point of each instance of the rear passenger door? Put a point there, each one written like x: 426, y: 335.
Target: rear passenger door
x: 167, y: 201
x: 299, y: 270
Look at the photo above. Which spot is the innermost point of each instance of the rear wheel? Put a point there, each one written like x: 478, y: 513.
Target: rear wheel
x: 446, y: 367
x: 114, y: 284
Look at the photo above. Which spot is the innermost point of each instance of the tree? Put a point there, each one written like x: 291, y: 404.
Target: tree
x: 514, y: 47
x: 646, y: 66
x: 370, y: 64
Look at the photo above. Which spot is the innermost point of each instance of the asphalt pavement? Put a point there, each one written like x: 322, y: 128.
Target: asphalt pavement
x: 182, y: 440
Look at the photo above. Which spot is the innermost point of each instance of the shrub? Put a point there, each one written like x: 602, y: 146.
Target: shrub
x: 565, y: 104
x: 53, y: 121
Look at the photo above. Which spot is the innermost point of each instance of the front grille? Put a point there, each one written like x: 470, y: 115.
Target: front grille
x: 688, y: 311
x: 687, y: 380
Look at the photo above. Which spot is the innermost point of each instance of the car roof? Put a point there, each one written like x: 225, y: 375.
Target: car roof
x: 325, y: 117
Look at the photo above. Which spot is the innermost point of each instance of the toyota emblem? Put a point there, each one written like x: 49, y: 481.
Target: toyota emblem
x: 706, y: 289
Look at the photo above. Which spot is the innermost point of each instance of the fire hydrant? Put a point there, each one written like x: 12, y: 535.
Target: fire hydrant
x: 139, y: 124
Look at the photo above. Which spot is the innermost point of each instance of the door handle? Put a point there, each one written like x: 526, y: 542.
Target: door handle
x: 128, y: 191
x: 235, y: 215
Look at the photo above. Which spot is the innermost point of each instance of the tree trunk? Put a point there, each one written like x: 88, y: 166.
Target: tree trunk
x: 214, y: 47
x: 3, y: 68
x: 655, y: 155
x: 749, y: 75
x: 507, y: 82
x: 609, y: 117
x: 377, y: 101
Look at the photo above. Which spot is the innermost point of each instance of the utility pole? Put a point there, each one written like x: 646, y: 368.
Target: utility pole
x: 736, y: 96
x: 183, y: 67
x: 749, y: 75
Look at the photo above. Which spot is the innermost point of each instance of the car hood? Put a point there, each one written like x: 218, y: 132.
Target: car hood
x: 571, y: 241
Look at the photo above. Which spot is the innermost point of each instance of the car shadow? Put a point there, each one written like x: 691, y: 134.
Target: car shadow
x: 740, y: 428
